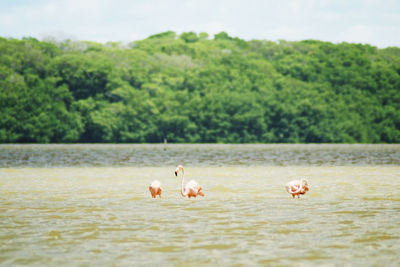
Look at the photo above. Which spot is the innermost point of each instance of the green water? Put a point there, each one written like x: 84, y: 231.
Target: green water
x: 57, y: 213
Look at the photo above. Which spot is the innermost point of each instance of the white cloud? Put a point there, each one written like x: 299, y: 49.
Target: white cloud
x: 358, y: 33
x: 7, y: 20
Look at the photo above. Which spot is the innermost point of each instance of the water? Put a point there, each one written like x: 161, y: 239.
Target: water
x: 77, y: 205
x: 196, y: 155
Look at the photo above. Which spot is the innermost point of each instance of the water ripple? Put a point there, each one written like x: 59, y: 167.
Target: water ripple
x: 100, y: 155
x: 93, y: 216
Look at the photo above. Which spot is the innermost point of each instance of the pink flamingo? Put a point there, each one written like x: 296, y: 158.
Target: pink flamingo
x: 192, y: 188
x: 297, y: 187
x: 155, y: 188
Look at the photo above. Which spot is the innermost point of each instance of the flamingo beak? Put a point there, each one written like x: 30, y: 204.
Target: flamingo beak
x: 176, y: 173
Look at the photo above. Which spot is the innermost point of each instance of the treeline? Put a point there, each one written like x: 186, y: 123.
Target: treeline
x: 196, y: 89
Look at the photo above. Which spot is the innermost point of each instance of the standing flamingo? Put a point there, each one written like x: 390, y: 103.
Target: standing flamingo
x: 297, y: 187
x: 155, y: 188
x: 192, y: 188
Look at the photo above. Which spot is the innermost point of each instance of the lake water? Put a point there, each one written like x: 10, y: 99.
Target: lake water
x: 89, y: 205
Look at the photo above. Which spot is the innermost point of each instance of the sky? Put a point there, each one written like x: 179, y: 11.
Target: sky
x: 374, y: 22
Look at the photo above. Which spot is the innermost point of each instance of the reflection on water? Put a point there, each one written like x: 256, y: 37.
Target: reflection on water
x: 104, y: 215
x: 197, y: 155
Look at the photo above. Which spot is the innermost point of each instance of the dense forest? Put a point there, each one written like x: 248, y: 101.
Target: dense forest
x: 191, y: 88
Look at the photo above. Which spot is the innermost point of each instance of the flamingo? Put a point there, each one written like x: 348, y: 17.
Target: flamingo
x: 297, y: 187
x: 192, y: 188
x: 155, y: 188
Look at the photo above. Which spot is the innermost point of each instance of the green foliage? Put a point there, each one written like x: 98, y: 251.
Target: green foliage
x: 190, y: 88
x: 189, y: 37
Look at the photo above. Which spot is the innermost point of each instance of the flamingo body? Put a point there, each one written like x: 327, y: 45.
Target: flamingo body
x: 192, y: 188
x: 155, y: 188
x: 297, y: 187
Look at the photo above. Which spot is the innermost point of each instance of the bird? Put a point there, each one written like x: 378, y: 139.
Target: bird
x: 155, y: 188
x: 192, y: 188
x: 297, y: 187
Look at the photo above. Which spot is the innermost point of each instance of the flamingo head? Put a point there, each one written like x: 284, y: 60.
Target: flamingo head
x: 180, y: 167
x: 305, y: 184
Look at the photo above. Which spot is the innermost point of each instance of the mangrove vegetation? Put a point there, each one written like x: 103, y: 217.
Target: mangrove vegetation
x: 191, y: 88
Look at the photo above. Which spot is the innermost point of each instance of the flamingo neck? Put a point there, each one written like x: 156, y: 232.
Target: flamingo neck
x: 182, y: 188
